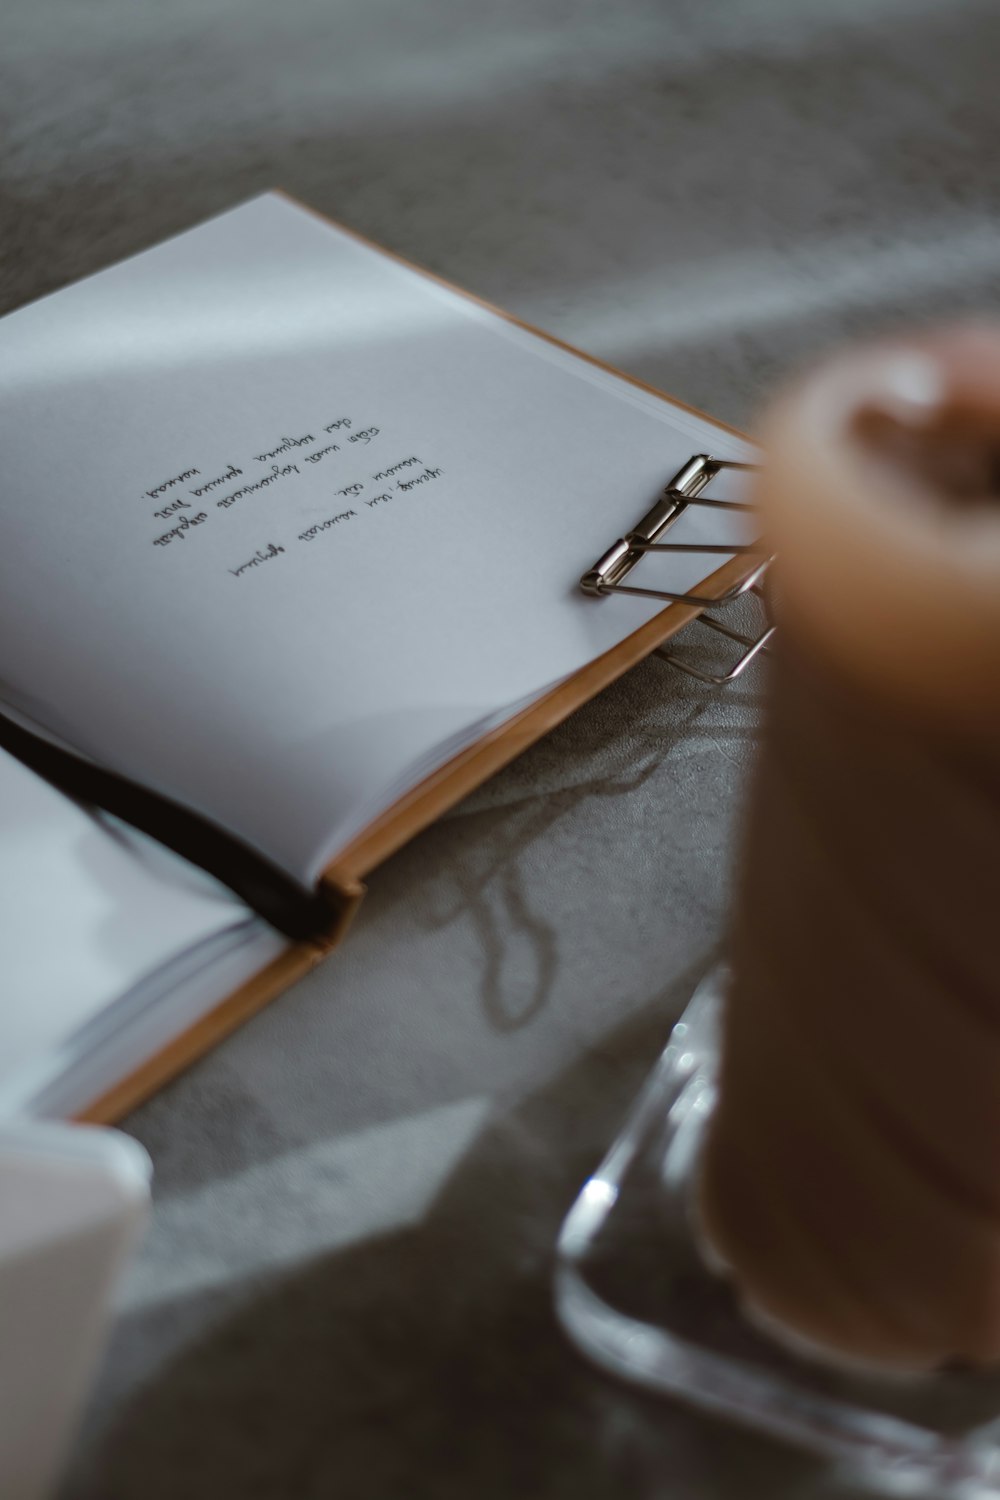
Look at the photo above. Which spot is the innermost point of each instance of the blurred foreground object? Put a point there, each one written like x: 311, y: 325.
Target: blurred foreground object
x: 798, y: 1226
x: 852, y: 1175
x: 72, y: 1199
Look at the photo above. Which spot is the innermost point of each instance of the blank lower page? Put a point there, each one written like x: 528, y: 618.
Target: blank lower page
x: 86, y: 914
x: 281, y: 515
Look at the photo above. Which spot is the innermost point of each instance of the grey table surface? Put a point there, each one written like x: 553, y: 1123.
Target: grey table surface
x: 346, y: 1286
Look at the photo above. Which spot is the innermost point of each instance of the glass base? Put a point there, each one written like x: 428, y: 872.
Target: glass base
x: 635, y: 1296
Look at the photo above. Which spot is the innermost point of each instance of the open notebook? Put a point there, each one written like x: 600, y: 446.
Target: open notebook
x: 293, y: 536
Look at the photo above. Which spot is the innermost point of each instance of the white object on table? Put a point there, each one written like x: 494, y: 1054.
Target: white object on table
x: 72, y: 1199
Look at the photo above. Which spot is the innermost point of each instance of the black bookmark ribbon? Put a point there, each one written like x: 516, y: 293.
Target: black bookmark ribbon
x: 295, y: 910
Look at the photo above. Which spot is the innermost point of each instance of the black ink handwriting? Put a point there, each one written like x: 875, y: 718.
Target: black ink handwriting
x: 283, y: 447
x: 179, y: 531
x: 314, y: 531
x: 314, y: 458
x: 259, y: 557
x: 168, y: 510
x: 247, y: 489
x: 168, y: 484
x: 212, y: 484
x: 404, y: 463
x: 409, y: 484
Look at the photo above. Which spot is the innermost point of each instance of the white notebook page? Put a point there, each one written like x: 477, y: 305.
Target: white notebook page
x: 281, y: 516
x: 89, y: 913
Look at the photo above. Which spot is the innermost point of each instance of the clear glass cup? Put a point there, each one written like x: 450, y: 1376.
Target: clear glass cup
x: 634, y: 1294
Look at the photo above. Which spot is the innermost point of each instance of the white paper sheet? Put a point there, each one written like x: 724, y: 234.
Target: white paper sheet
x: 89, y: 912
x: 280, y: 516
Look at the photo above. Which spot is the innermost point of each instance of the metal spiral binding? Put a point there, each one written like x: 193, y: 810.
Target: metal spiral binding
x: 684, y: 489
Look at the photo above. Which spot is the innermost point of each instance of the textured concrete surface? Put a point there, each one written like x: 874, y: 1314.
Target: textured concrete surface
x: 345, y: 1291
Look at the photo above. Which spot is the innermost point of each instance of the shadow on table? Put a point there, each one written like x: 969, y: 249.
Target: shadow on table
x: 610, y: 749
x: 428, y: 1362
x: 640, y: 781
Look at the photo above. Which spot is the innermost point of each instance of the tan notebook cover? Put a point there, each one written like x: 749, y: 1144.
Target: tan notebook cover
x: 427, y: 801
